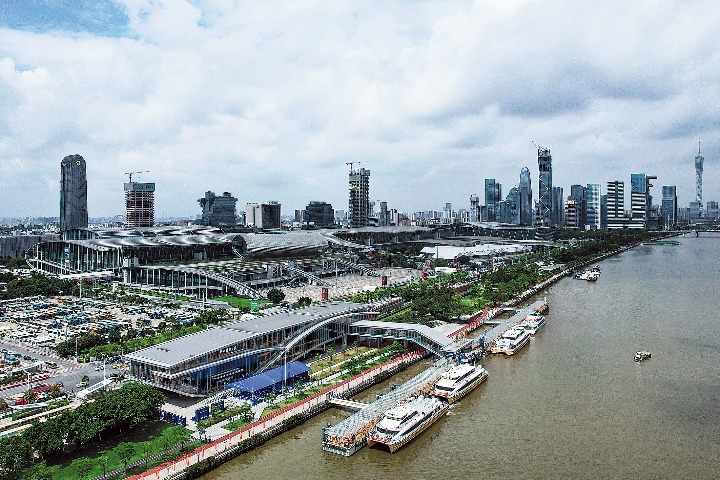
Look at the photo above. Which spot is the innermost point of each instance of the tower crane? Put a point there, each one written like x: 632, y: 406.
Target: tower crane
x: 130, y: 174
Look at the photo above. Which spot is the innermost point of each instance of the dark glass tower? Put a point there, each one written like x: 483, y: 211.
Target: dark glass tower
x: 526, y: 211
x: 73, y: 193
x: 545, y: 186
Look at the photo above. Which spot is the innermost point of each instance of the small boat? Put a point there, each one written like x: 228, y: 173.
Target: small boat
x: 642, y: 355
x: 533, y: 322
x: 403, y: 423
x: 595, y: 268
x: 511, y: 341
x: 592, y: 276
x: 459, y: 381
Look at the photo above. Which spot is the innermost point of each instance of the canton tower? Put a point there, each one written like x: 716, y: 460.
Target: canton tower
x: 699, y: 160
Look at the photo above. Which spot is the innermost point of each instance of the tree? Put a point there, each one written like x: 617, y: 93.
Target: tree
x: 302, y: 302
x: 15, y: 455
x: 83, y: 466
x: 30, y: 396
x: 85, y: 378
x: 125, y: 451
x: 275, y: 295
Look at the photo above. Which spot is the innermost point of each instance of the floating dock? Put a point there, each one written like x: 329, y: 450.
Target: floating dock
x: 498, y: 328
x: 350, y: 435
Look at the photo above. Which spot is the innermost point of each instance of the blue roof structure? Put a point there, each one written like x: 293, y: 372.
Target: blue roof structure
x: 269, y: 378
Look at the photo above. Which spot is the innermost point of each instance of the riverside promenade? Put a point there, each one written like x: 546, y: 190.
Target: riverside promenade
x: 257, y: 432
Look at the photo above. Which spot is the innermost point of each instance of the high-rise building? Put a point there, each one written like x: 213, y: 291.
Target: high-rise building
x: 711, y: 211
x: 217, y: 211
x: 73, y: 193
x: 493, y: 194
x: 320, y: 214
x: 573, y: 212
x: 669, y: 207
x: 139, y: 204
x: 263, y: 215
x: 526, y: 208
x: 579, y: 192
x: 592, y: 206
x: 603, y: 212
x: 640, y: 200
x: 474, y: 208
x: 545, y: 187
x: 359, y: 206
x: 512, y: 207
x: 557, y: 217
x: 699, y: 160
x: 616, y: 204
x: 384, y: 216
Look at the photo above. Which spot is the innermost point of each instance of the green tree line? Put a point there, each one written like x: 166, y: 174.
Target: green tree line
x: 115, y: 412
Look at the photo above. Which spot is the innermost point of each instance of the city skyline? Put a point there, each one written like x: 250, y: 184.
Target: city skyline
x: 432, y: 99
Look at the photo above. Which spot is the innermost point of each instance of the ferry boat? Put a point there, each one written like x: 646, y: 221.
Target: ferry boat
x: 533, y: 323
x: 459, y: 381
x: 642, y: 355
x: 511, y: 341
x: 403, y: 423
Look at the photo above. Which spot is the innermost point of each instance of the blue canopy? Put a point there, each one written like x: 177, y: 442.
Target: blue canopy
x: 269, y: 378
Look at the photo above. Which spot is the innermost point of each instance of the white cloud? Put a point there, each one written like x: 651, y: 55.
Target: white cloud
x: 268, y: 100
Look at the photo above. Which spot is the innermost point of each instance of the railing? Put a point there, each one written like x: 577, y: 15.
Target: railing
x: 276, y: 419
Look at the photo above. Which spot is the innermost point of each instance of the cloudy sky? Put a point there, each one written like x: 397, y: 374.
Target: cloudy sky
x: 270, y: 99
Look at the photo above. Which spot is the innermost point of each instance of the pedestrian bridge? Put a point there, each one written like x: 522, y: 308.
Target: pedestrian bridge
x: 422, y: 335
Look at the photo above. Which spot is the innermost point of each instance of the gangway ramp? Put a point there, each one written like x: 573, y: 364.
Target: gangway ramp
x: 350, y: 435
x: 350, y: 404
x: 498, y: 328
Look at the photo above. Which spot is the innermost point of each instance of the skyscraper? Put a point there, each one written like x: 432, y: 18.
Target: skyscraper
x: 668, y: 207
x: 545, y: 186
x: 616, y: 204
x: 579, y: 192
x: 359, y: 205
x: 73, y: 193
x: 217, y: 211
x: 573, y: 212
x: 557, y: 217
x: 474, y: 208
x: 640, y: 199
x: 493, y: 194
x: 699, y: 160
x: 592, y: 206
x: 139, y: 204
x: 526, y: 210
x: 512, y: 207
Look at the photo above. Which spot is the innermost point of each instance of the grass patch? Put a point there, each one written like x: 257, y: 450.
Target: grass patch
x: 338, y: 358
x: 240, y: 302
x: 153, y: 438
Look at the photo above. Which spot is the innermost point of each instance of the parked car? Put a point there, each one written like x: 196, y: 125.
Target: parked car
x: 81, y: 385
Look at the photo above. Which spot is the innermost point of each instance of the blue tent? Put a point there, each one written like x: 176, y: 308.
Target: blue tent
x: 269, y: 378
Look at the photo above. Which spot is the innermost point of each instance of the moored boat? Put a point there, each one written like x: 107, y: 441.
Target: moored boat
x: 533, y: 323
x: 511, y: 341
x: 459, y: 381
x: 403, y: 423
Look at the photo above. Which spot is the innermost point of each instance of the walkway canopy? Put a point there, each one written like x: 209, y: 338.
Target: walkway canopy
x: 270, y: 378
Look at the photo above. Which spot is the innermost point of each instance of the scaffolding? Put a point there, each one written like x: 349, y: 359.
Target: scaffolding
x: 350, y: 435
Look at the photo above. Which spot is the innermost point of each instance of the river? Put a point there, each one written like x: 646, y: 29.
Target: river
x: 573, y: 404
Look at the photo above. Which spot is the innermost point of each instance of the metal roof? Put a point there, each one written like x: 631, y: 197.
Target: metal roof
x: 200, y: 343
x: 269, y: 378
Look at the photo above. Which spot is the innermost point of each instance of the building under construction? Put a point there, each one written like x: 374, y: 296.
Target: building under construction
x: 359, y: 206
x: 139, y: 204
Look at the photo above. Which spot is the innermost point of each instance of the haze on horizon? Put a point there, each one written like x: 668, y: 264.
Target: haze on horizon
x: 269, y: 100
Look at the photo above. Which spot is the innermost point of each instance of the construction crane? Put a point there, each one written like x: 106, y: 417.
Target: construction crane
x: 130, y: 174
x: 353, y: 163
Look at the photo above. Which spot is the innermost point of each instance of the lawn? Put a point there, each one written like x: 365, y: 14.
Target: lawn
x: 153, y: 438
x: 239, y: 302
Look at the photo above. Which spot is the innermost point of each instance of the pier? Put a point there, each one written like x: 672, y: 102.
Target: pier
x: 350, y: 435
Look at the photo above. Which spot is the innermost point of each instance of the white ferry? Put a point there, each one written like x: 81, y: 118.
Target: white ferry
x: 459, y: 381
x: 511, y: 341
x: 406, y: 421
x: 533, y: 323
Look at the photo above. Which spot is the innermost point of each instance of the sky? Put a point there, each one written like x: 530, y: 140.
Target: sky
x: 269, y: 100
